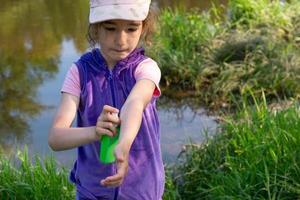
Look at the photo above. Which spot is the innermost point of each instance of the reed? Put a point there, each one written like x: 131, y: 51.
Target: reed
x: 217, y: 57
x: 23, y: 179
x: 179, y: 45
x: 255, y: 156
x: 253, y: 13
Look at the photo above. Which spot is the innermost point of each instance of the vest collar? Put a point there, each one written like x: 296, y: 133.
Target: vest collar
x: 132, y: 59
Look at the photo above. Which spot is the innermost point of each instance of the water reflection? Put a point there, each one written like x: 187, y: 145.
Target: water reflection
x: 30, y: 43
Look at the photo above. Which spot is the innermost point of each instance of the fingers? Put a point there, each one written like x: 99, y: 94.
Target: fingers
x: 110, y: 109
x: 102, y: 131
x: 111, y: 117
x: 113, y: 181
x: 107, y: 121
x: 122, y: 167
x: 107, y: 128
x: 109, y: 114
x: 117, y: 179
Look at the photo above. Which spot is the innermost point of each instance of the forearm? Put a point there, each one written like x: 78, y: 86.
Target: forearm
x: 131, y: 118
x: 68, y: 138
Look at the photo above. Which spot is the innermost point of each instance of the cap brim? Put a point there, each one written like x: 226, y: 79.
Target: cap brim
x: 125, y: 12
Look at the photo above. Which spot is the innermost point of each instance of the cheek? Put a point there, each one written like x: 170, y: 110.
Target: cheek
x: 104, y: 39
x: 103, y: 36
x: 136, y: 38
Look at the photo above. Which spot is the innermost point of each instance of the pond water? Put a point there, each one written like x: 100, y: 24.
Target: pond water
x: 39, y: 40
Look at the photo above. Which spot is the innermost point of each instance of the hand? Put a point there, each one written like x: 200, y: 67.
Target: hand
x: 107, y: 122
x: 122, y: 167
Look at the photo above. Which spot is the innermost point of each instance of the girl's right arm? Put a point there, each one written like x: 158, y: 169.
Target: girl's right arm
x: 62, y: 136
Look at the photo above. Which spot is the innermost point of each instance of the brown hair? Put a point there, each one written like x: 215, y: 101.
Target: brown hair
x: 149, y: 27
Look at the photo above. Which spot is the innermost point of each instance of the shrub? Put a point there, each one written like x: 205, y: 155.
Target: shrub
x: 256, y: 156
x: 40, y: 180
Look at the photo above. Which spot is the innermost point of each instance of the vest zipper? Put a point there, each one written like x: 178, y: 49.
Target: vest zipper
x: 111, y: 82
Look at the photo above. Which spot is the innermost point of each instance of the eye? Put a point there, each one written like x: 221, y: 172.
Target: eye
x: 110, y: 28
x: 132, y: 29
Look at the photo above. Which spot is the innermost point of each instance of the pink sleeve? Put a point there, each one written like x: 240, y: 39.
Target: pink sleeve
x: 148, y: 69
x: 71, y: 84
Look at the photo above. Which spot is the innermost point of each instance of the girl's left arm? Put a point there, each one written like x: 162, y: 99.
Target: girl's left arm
x: 132, y: 111
x: 131, y: 118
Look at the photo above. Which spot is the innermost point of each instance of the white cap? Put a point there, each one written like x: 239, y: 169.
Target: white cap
x: 103, y: 10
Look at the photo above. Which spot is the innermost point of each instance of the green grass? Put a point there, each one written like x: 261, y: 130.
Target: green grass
x: 254, y: 12
x: 24, y: 179
x: 255, y: 156
x: 179, y: 45
x: 257, y: 47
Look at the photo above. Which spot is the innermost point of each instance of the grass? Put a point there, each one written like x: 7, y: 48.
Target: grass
x: 255, y: 156
x: 23, y: 179
x: 179, y: 44
x: 257, y: 12
x: 257, y: 47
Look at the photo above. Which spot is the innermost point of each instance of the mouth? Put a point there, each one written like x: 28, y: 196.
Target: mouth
x: 120, y: 50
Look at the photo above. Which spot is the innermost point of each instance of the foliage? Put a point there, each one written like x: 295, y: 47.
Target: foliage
x: 255, y: 47
x: 171, y: 190
x: 256, y: 156
x: 24, y: 180
x: 179, y: 45
x: 253, y: 12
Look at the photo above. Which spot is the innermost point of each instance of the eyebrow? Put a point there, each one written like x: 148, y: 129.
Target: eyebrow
x: 134, y: 23
x: 130, y: 24
x: 109, y: 22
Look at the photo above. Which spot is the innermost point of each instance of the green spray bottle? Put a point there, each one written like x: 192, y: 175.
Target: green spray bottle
x: 108, y: 145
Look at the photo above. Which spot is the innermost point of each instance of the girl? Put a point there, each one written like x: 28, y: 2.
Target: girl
x: 115, y: 79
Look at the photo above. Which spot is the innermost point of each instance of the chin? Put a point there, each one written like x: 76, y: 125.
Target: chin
x: 121, y: 57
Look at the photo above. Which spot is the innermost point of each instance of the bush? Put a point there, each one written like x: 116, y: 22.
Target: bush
x: 257, y: 156
x: 256, y: 47
x: 24, y: 180
x: 179, y: 45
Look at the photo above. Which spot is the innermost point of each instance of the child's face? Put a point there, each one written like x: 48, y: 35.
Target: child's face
x: 118, y: 38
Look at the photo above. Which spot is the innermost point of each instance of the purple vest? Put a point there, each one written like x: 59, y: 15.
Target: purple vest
x: 100, y: 86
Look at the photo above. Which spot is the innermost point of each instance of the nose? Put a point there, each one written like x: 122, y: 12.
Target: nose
x: 120, y: 39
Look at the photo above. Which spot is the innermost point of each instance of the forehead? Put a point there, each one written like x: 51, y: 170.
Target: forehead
x: 123, y: 22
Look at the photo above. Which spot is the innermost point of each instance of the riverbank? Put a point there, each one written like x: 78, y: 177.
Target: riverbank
x: 255, y: 155
x: 218, y: 57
